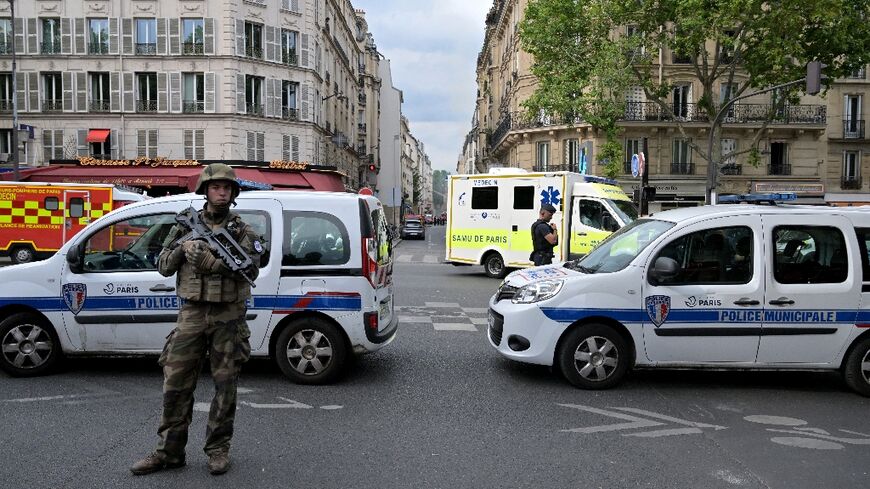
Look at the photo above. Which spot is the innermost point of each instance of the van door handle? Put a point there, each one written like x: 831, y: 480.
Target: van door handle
x: 581, y: 233
x: 746, y: 302
x: 782, y: 301
x: 162, y: 288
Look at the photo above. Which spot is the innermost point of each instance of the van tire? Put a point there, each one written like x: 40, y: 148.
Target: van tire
x: 493, y: 266
x: 22, y: 254
x: 37, y: 354
x: 311, y: 351
x: 856, y: 370
x: 594, y: 356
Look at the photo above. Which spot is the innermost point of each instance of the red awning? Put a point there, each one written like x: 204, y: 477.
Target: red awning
x: 98, y: 135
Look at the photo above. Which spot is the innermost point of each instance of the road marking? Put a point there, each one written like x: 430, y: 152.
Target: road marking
x: 475, y: 310
x: 430, y: 259
x: 404, y: 259
x: 633, y: 422
x: 671, y: 419
x: 480, y: 321
x: 287, y: 404
x: 442, y: 304
x: 637, y: 422
x: 796, y: 441
x: 56, y: 398
x: 454, y: 327
x: 414, y: 319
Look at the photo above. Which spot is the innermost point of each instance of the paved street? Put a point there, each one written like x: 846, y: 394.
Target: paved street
x: 439, y: 408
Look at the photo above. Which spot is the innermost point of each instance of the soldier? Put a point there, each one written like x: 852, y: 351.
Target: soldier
x: 211, y: 320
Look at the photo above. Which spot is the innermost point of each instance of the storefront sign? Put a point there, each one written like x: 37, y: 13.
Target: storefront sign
x: 141, y: 161
x: 288, y: 165
x: 666, y: 187
x: 796, y: 187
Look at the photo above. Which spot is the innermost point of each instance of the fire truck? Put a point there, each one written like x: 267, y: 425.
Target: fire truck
x: 36, y: 219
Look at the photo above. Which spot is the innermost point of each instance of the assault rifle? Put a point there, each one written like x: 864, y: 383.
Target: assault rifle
x: 228, y: 250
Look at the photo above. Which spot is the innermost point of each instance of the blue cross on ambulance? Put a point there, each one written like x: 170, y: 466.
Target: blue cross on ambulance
x: 490, y: 216
x: 777, y: 287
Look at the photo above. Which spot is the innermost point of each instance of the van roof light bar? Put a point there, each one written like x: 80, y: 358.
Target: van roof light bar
x: 768, y: 198
x: 604, y: 180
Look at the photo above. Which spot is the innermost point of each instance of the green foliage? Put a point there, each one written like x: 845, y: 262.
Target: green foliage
x: 610, y: 156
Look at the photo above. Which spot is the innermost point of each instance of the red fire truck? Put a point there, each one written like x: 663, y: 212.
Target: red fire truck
x: 36, y: 219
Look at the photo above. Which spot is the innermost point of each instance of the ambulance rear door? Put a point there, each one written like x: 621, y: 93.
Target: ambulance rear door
x: 523, y: 203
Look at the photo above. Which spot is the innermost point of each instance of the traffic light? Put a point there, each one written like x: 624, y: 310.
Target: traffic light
x: 815, y: 77
x: 373, y: 168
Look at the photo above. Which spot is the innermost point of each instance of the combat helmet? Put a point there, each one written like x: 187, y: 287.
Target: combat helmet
x: 217, y: 171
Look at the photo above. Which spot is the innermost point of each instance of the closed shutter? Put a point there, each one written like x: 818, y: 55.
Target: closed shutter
x: 82, y: 142
x: 240, y: 37
x: 32, y: 39
x: 199, y: 144
x: 208, y: 36
x: 294, y: 148
x: 209, y: 79
x: 270, y: 94
x: 21, y: 82
x: 270, y: 43
x: 175, y: 92
x: 188, y: 144
x: 276, y: 101
x: 129, y: 92
x: 174, y: 36
x: 67, y: 80
x: 161, y: 36
x: 285, y: 148
x: 142, y: 142
x: 19, y: 36
x: 127, y: 35
x: 304, y: 90
x: 261, y: 146
x: 305, y: 51
x: 161, y: 93
x: 33, y: 88
x: 81, y: 91
x: 113, y: 35
x: 114, y: 140
x: 66, y: 36
x: 152, y: 143
x: 294, y: 6
x: 240, y: 94
x: 252, y: 141
x: 81, y: 28
x: 115, y: 91
x: 47, y: 145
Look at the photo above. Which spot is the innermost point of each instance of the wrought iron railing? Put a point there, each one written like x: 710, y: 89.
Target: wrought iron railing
x: 255, y: 109
x: 853, y: 129
x: 731, y: 169
x: 98, y: 48
x: 779, y: 169
x: 146, y: 106
x: 192, y: 48
x: 290, y: 114
x: 290, y: 58
x: 549, y: 168
x: 99, y: 106
x: 193, y: 106
x: 361, y: 149
x: 362, y: 99
x: 52, y: 105
x: 851, y: 182
x: 146, y: 48
x: 52, y: 47
x: 6, y: 105
x: 682, y: 168
x: 5, y: 48
x: 254, y: 52
x: 362, y: 127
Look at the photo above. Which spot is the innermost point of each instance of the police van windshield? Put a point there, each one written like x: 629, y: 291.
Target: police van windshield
x: 626, y: 210
x: 621, y: 247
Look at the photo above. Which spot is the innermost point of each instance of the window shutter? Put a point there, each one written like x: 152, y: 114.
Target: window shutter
x: 240, y: 37
x: 294, y: 6
x: 305, y: 51
x: 175, y: 92
x: 21, y: 81
x: 270, y: 88
x: 161, y: 93
x: 285, y: 148
x: 188, y: 144
x: 279, y: 112
x: 32, y: 44
x: 129, y: 93
x: 82, y: 140
x: 113, y: 35
x: 115, y: 91
x: 161, y: 36
x: 19, y: 36
x: 261, y: 146
x: 114, y: 138
x: 33, y: 88
x: 303, y: 102
x: 127, y: 35
x: 67, y: 81
x: 240, y: 94
x: 66, y: 35
x: 251, y: 143
x: 209, y: 79
x: 270, y: 43
x: 294, y: 156
x: 47, y: 145
x: 152, y: 143
x: 142, y: 142
x: 199, y: 144
x: 81, y: 91
x: 208, y: 36
x: 174, y: 36
x: 81, y: 31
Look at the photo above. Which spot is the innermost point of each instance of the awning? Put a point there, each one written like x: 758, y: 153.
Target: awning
x: 98, y: 135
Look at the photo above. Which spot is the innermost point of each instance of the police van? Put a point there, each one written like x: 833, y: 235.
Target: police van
x: 490, y: 216
x: 324, y: 291
x: 727, y: 286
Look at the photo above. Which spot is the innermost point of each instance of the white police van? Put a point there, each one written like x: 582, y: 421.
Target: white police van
x: 727, y: 286
x: 324, y: 290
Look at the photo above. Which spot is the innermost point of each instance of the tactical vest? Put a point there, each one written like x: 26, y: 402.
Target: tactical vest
x: 538, y: 242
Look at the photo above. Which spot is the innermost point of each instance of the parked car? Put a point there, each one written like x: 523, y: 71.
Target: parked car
x: 413, y: 228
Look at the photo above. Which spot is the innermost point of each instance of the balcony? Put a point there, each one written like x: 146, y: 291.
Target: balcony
x: 255, y: 109
x: 362, y: 99
x: 552, y: 168
x: 6, y: 105
x: 52, y: 105
x: 682, y: 168
x: 361, y: 127
x: 254, y: 52
x: 779, y: 169
x: 290, y: 58
x: 853, y: 129
x: 52, y: 47
x: 193, y: 106
x: 738, y: 114
x: 98, y: 48
x: 192, y: 48
x: 99, y: 106
x: 731, y: 169
x: 290, y: 113
x: 146, y: 106
x: 851, y: 182
x: 361, y: 149
x: 146, y: 48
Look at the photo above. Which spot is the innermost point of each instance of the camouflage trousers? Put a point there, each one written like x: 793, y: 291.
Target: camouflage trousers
x: 220, y: 330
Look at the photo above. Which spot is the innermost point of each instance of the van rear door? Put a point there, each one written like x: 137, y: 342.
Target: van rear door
x: 384, y: 276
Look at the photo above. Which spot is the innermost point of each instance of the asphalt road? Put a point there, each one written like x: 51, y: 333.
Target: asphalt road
x: 440, y: 408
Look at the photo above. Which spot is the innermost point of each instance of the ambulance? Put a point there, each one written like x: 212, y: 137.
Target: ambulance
x: 715, y: 287
x: 36, y: 219
x: 490, y: 216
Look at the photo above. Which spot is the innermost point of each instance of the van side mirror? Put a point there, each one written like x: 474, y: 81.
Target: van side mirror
x: 663, y: 268
x: 74, y: 258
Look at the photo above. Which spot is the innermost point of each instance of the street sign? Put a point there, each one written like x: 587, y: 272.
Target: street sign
x: 641, y: 164
x: 634, y: 165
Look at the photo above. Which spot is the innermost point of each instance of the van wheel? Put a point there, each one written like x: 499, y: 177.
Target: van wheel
x: 22, y: 254
x: 311, y: 351
x: 28, y: 346
x: 857, y: 368
x: 493, y: 266
x: 594, y: 356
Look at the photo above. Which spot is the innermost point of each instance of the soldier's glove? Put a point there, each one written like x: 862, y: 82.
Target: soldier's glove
x: 193, y: 251
x: 208, y: 263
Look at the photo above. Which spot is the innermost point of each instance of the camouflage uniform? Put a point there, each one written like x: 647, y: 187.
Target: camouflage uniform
x: 211, y: 319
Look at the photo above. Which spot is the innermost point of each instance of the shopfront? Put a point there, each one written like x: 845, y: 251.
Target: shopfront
x: 670, y: 194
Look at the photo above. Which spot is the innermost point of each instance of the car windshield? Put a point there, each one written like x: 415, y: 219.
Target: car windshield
x: 618, y: 250
x: 412, y: 224
x: 626, y: 210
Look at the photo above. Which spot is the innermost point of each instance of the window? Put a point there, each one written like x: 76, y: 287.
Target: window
x: 484, y: 198
x: 729, y: 146
x: 256, y: 146
x: 682, y: 97
x: 146, y: 100
x: 543, y: 155
x: 858, y: 74
x: 52, y: 92
x: 5, y: 92
x: 289, y: 55
x: 99, y: 92
x: 809, y: 255
x: 779, y: 103
x: 314, y: 238
x: 572, y: 154
x: 261, y: 225
x: 254, y: 95
x: 194, y: 144
x: 52, y: 144
x: 726, y: 47
x: 727, y: 91
x: 98, y: 39
x: 779, y: 159
x: 253, y: 40
x: 194, y: 93
x: 5, y: 141
x: 50, y: 42
x: 711, y: 256
x: 382, y: 236
x: 146, y: 143
x: 633, y: 146
x: 288, y: 100
x: 524, y: 197
x: 635, y: 40
x: 102, y: 151
x: 50, y: 204
x: 593, y: 214
x: 681, y: 164
x: 864, y: 245
x: 76, y: 207
x: 132, y: 244
x: 146, y: 36
x: 5, y: 36
x: 851, y: 166
x: 853, y: 126
x: 192, y: 32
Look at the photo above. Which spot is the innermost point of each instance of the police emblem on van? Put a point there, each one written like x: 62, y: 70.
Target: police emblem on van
x: 658, y: 307
x: 74, y: 296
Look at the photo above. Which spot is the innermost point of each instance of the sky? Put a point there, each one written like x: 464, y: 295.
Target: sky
x: 432, y: 46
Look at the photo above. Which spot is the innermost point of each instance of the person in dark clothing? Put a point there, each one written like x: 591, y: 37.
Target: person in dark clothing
x: 544, y: 237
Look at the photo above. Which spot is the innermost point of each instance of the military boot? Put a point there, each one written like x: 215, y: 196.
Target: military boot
x: 154, y: 463
x: 218, y: 463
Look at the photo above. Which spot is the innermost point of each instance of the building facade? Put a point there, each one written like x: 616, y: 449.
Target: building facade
x: 256, y: 80
x: 818, y: 148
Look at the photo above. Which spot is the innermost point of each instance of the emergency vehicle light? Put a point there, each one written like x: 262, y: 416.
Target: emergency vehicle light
x: 758, y: 198
x: 604, y: 180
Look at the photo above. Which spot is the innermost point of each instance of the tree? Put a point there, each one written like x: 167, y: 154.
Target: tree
x: 589, y: 52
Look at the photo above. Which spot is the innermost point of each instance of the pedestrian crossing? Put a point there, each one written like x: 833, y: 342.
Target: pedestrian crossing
x: 419, y: 257
x: 443, y: 316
